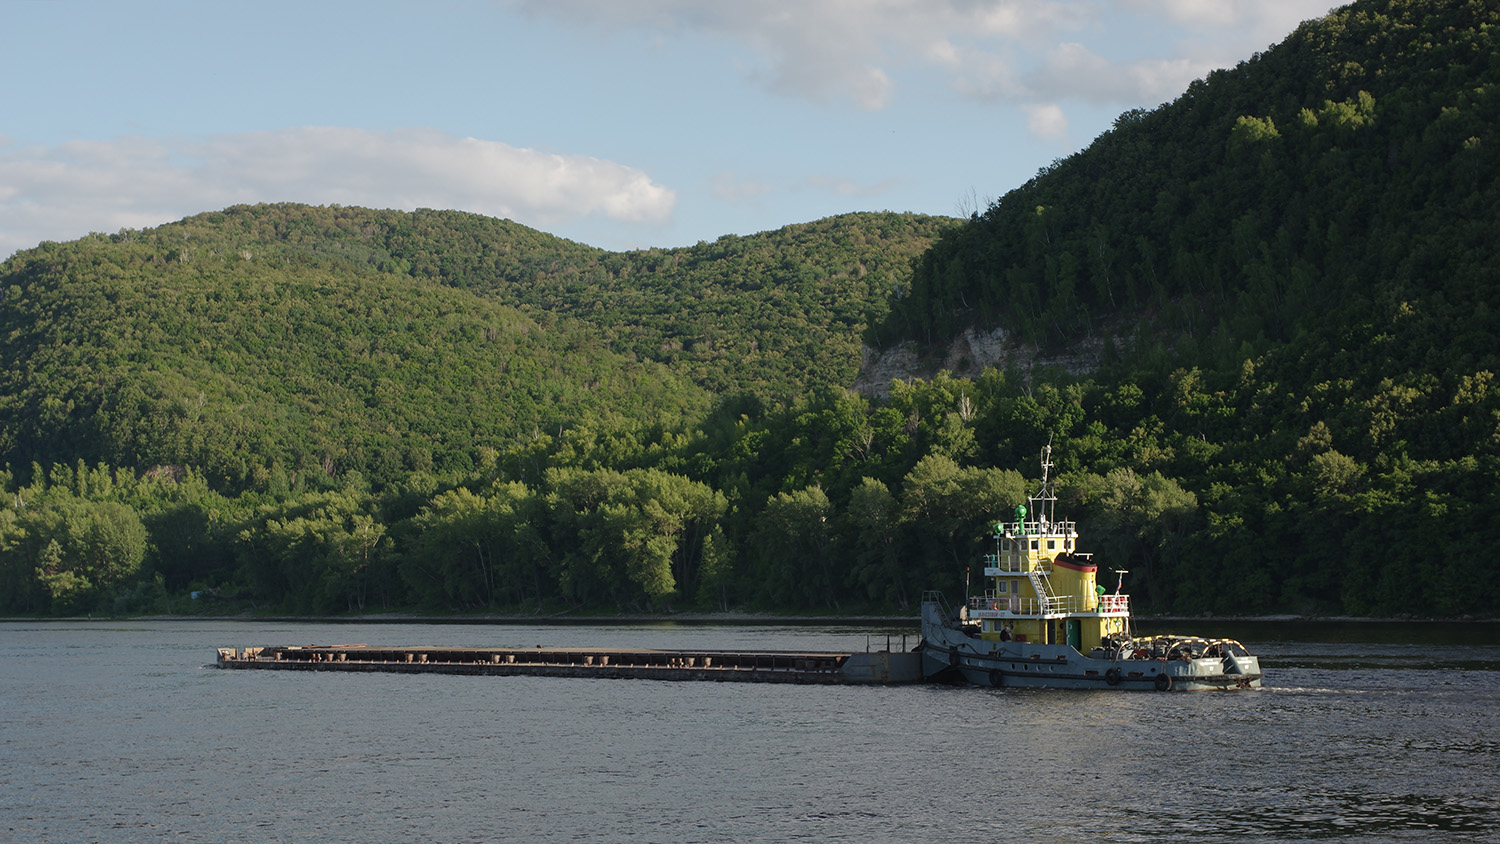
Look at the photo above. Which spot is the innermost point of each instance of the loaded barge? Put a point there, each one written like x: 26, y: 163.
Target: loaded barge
x: 881, y: 667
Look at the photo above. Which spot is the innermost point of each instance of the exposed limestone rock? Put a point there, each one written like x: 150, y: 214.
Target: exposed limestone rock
x: 878, y: 369
x: 970, y: 353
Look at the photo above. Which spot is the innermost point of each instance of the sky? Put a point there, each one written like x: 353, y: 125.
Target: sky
x: 623, y: 124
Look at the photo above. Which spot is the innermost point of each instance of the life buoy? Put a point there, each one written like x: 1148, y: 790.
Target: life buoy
x: 997, y: 678
x: 1112, y: 676
x: 1164, y: 682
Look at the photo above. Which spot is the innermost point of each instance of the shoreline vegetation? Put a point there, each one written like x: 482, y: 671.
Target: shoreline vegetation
x: 716, y: 618
x: 1256, y: 325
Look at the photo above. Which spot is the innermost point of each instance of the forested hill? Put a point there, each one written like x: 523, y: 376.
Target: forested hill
x: 289, y: 339
x: 1338, y: 178
x: 1296, y: 269
x: 769, y: 314
x: 321, y: 409
x: 251, y: 363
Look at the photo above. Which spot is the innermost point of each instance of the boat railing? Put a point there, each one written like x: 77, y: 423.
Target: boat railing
x: 1114, y: 603
x: 933, y: 596
x: 1050, y: 605
x: 1028, y: 605
x: 1036, y: 527
x: 1015, y: 564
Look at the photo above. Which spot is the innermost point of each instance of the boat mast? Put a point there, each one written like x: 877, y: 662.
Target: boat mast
x: 1119, y: 589
x: 1044, y: 503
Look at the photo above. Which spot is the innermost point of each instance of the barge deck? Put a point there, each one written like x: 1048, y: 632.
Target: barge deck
x: 882, y: 667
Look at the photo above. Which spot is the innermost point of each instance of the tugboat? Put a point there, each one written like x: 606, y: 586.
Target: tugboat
x: 1044, y: 621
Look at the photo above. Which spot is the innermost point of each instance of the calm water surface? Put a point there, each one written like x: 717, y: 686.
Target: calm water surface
x: 118, y: 732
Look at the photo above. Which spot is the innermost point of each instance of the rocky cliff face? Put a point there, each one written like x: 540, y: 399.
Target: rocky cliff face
x: 970, y: 353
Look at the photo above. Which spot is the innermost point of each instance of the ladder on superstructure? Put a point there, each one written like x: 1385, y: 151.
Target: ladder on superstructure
x: 1039, y: 582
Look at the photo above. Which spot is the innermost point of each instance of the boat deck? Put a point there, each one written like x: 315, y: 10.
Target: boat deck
x: 880, y: 667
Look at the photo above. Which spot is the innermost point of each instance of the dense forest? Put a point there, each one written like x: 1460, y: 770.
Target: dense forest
x: 279, y: 341
x: 318, y: 410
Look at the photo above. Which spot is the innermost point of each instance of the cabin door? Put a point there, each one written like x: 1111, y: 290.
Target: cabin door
x: 1075, y: 633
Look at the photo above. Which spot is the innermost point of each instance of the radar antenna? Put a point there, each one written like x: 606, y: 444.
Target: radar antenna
x: 1044, y: 503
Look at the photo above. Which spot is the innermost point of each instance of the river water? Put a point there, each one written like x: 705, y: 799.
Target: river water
x: 121, y: 732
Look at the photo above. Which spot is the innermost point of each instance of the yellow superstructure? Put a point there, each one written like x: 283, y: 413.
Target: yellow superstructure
x: 1041, y: 589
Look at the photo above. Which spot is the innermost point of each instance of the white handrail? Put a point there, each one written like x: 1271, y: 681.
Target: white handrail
x: 1016, y: 566
x: 1036, y: 527
x: 1051, y: 605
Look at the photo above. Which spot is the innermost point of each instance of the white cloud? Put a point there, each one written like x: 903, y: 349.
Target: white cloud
x: 65, y: 191
x: 1262, y: 18
x: 733, y: 188
x: 1073, y: 71
x: 1046, y: 121
x: 825, y: 49
x: 1072, y: 67
x: 1014, y: 51
x: 849, y: 187
x: 987, y: 76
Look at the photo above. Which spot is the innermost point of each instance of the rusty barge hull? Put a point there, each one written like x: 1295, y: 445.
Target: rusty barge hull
x: 612, y: 663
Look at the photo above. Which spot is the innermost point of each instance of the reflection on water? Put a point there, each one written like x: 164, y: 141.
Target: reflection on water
x: 117, y: 732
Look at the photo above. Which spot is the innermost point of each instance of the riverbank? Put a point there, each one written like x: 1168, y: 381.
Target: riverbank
x: 719, y: 618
